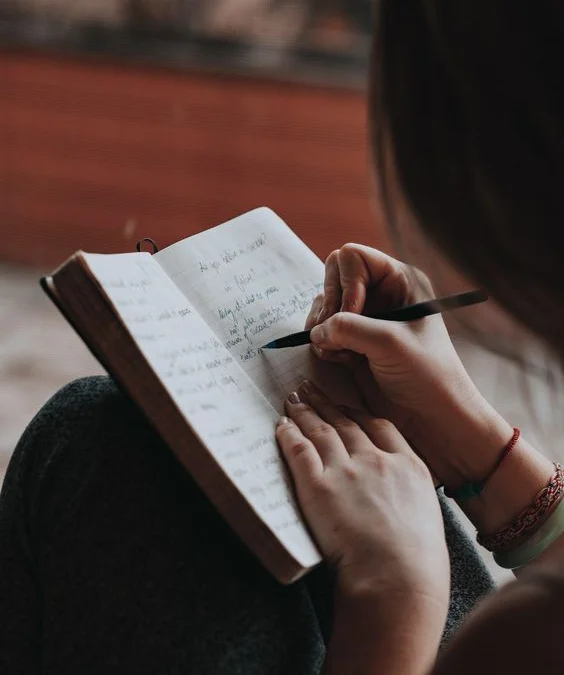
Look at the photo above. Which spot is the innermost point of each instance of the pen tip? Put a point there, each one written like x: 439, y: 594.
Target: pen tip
x: 270, y: 345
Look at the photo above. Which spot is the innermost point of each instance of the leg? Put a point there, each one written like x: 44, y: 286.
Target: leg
x: 124, y: 565
x: 113, y: 561
x: 470, y: 578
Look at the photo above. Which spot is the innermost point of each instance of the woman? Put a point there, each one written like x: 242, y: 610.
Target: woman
x: 113, y: 562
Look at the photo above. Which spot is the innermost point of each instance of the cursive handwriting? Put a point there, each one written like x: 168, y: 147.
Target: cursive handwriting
x: 204, y: 378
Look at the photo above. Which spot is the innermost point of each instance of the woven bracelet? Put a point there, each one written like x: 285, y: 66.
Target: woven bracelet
x: 529, y: 519
x: 537, y: 543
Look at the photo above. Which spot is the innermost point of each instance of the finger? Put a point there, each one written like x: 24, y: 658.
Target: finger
x: 354, y: 277
x: 331, y: 287
x: 300, y: 454
x: 316, y: 307
x: 381, y: 432
x: 359, y: 334
x: 349, y: 431
x: 342, y: 357
x: 361, y: 267
x: 323, y: 436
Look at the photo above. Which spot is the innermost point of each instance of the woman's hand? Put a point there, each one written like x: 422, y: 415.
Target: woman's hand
x: 372, y: 508
x: 368, y: 499
x: 409, y: 373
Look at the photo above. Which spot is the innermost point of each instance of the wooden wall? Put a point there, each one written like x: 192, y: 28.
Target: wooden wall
x: 96, y: 155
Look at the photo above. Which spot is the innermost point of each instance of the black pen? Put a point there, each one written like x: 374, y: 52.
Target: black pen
x: 409, y: 313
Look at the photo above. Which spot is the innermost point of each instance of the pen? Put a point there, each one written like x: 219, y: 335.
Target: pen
x: 409, y: 313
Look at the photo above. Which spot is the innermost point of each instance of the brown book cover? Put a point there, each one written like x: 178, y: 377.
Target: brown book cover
x: 181, y: 332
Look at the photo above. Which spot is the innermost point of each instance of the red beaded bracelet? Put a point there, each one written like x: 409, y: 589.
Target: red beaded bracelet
x: 529, y: 519
x: 474, y: 489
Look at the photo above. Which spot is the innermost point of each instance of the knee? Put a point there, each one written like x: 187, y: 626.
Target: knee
x: 90, y: 462
x: 89, y: 436
x: 84, y: 417
x: 83, y: 399
x: 82, y: 409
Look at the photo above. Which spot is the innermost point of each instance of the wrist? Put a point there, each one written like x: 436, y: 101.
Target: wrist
x: 385, y: 630
x: 511, y: 489
x: 402, y: 588
x: 473, y: 440
x: 464, y: 435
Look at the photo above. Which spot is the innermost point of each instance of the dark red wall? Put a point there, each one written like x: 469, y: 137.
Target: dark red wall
x: 95, y: 155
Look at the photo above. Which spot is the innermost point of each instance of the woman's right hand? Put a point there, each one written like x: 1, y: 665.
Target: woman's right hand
x: 408, y: 373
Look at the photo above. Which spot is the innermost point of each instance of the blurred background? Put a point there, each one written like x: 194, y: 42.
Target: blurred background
x: 124, y: 119
x: 121, y: 119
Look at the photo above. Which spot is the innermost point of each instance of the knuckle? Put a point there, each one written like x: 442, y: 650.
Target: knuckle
x: 350, y: 472
x: 321, y: 431
x: 418, y: 279
x: 376, y: 459
x: 319, y: 299
x: 383, y: 426
x: 333, y: 256
x: 324, y: 489
x: 349, y: 248
x: 332, y: 287
x: 420, y: 275
x: 345, y: 425
x: 339, y: 323
x: 298, y: 447
x: 337, y: 326
x: 419, y: 465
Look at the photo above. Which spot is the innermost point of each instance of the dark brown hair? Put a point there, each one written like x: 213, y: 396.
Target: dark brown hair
x: 468, y: 98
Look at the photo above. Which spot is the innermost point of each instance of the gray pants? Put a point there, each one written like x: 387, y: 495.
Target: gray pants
x: 113, y: 561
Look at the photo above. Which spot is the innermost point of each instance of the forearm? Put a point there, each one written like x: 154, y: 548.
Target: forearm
x: 391, y: 633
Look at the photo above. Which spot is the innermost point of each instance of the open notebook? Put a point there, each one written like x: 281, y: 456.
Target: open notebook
x: 181, y: 331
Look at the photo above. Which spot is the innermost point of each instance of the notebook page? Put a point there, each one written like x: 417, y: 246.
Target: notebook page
x: 221, y: 404
x: 253, y: 280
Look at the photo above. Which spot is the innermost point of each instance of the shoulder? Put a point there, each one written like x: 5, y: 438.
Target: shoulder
x: 517, y: 630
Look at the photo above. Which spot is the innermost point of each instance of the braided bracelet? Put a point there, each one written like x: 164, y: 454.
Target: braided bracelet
x: 551, y: 530
x: 529, y: 519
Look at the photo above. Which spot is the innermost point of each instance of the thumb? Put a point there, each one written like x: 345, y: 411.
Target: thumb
x: 355, y: 333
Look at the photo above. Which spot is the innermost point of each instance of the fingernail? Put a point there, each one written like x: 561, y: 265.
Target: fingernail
x: 318, y: 352
x: 284, y: 420
x: 318, y: 335
x: 306, y: 387
x: 294, y: 398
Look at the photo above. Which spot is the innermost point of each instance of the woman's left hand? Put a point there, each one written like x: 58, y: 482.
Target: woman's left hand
x: 367, y: 497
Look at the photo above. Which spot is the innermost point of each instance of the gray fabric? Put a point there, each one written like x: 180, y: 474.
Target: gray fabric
x: 112, y: 560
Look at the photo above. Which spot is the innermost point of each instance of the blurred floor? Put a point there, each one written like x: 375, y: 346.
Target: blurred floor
x: 39, y: 353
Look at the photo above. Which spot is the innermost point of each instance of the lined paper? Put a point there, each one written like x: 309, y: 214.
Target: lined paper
x: 253, y: 280
x: 223, y: 406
